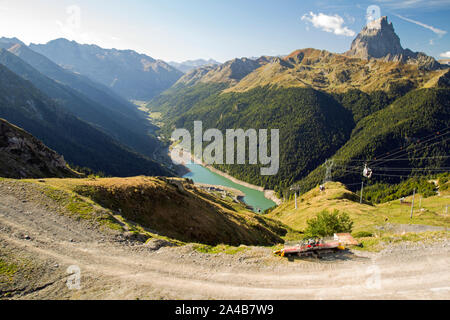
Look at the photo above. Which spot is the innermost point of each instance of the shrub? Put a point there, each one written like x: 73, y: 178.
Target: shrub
x: 327, y: 224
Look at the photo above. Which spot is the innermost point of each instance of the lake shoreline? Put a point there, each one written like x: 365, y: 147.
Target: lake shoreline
x: 234, y: 191
x: 268, y: 194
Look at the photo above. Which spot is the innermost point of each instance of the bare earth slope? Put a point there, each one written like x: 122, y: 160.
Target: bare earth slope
x: 37, y: 245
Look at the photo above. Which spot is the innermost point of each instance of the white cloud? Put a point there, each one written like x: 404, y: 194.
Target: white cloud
x: 435, y: 30
x: 333, y: 24
x: 445, y: 54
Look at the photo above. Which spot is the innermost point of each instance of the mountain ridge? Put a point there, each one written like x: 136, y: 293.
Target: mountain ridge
x: 94, y: 90
x: 132, y: 75
x: 275, y: 92
x: 230, y: 72
x: 390, y: 66
x: 331, y: 72
x: 114, y: 123
x: 83, y: 97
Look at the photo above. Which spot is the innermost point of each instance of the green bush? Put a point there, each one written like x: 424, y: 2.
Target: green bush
x: 327, y: 224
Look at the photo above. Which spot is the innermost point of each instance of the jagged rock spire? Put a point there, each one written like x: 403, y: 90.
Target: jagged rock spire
x: 378, y: 40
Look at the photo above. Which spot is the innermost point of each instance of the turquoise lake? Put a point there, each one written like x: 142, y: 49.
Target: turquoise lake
x: 253, y: 197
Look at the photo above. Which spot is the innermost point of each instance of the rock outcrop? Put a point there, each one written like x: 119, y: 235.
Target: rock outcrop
x: 24, y: 156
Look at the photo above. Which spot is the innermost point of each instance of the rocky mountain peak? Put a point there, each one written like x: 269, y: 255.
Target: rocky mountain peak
x: 378, y: 40
x: 14, y: 40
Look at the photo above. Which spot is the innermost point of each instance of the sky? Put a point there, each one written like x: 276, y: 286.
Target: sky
x: 179, y: 30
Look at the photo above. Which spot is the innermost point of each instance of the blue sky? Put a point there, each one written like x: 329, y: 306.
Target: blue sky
x: 189, y: 29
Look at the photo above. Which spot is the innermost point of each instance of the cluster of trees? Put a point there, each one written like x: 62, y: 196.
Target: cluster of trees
x: 383, y: 192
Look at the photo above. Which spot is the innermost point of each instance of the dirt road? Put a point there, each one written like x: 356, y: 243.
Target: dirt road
x: 44, y: 244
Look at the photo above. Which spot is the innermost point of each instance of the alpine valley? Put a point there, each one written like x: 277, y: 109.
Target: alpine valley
x: 350, y: 107
x: 92, y: 206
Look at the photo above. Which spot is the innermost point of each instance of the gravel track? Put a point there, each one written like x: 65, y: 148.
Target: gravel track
x: 112, y: 268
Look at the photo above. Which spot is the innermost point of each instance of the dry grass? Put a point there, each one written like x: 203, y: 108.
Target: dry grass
x: 185, y: 213
x: 376, y: 244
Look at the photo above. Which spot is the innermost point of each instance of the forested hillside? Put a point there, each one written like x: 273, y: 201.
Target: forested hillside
x: 413, y: 132
x: 312, y: 124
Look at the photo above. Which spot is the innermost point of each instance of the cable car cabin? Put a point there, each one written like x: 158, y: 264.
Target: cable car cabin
x: 367, y: 172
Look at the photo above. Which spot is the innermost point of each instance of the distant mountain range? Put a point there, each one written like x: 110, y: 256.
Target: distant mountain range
x: 229, y: 72
x: 189, y: 65
x: 323, y: 70
x: 97, y: 92
x: 81, y: 96
x: 130, y: 74
x: 83, y: 120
